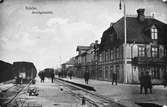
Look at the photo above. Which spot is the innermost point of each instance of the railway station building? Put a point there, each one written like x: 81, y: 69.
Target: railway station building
x: 86, y: 60
x: 145, y: 49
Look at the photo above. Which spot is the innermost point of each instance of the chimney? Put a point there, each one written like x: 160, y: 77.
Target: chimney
x: 111, y: 24
x: 140, y: 16
x: 96, y: 42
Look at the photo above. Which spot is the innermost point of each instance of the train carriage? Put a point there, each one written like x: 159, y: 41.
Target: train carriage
x: 25, y: 71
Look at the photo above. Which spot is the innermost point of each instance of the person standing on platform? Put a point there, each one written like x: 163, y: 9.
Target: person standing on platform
x: 147, y: 83
x: 141, y: 78
x: 114, y: 77
x: 52, y: 76
x: 59, y: 74
x: 42, y: 77
x: 70, y: 74
x: 165, y: 79
x: 86, y: 77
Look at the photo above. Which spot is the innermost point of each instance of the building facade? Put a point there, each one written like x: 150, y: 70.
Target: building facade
x: 145, y: 49
x: 80, y: 62
x: 86, y: 60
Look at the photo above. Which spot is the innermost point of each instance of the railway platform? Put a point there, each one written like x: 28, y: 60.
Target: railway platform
x: 127, y: 94
x: 50, y: 95
x: 55, y: 94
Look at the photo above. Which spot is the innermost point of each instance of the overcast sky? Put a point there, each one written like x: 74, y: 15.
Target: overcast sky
x: 51, y: 38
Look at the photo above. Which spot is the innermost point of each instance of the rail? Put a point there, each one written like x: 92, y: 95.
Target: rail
x: 17, y: 93
x: 6, y: 83
x: 92, y: 97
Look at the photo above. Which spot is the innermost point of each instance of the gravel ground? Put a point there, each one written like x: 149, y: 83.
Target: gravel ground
x: 127, y: 94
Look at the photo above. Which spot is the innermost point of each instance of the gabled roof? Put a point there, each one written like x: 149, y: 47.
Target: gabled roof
x: 137, y: 32
x: 107, y: 38
x: 82, y: 48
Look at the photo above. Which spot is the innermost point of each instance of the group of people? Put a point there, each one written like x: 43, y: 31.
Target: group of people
x: 42, y: 76
x: 114, y: 77
x: 145, y: 82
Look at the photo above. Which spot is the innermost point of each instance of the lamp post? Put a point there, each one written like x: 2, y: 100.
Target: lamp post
x: 125, y: 41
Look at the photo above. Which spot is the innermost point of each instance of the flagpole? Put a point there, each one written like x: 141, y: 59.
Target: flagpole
x: 125, y: 43
x: 125, y: 40
x: 125, y: 22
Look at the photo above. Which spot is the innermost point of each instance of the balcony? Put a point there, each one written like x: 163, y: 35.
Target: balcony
x: 149, y: 60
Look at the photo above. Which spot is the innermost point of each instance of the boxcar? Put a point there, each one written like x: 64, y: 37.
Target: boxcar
x: 25, y: 71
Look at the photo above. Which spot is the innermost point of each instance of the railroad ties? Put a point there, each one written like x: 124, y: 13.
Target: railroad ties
x: 87, y: 94
x: 10, y: 91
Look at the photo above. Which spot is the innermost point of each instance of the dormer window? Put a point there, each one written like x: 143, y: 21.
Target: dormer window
x: 154, y: 33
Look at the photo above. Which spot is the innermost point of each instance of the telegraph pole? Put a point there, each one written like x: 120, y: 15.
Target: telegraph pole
x: 125, y: 41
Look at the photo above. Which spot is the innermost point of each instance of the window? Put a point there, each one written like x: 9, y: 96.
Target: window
x: 111, y: 68
x: 103, y: 56
x: 117, y: 53
x: 165, y: 51
x: 141, y: 51
x: 107, y: 55
x: 154, y: 33
x: 154, y: 52
x: 155, y: 72
x: 100, y: 57
x: 112, y: 55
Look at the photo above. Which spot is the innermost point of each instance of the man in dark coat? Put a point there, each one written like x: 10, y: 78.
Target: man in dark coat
x: 59, y: 74
x: 70, y: 74
x: 165, y: 79
x: 147, y: 83
x: 141, y: 78
x: 86, y: 77
x: 52, y: 76
x: 114, y: 77
x: 42, y: 77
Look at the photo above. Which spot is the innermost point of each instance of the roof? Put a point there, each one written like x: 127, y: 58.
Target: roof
x: 82, y: 48
x: 137, y: 32
x: 84, y: 53
x: 22, y: 63
x: 4, y: 66
x: 26, y: 65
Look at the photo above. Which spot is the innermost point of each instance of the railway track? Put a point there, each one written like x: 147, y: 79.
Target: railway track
x: 90, y: 98
x: 7, y: 84
x: 6, y: 100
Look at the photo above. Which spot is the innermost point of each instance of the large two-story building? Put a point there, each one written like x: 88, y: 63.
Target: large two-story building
x: 81, y: 60
x: 145, y: 49
x: 86, y: 60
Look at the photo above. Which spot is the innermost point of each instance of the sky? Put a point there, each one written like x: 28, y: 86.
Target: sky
x: 47, y: 32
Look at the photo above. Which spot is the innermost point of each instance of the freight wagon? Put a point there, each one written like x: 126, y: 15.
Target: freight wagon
x: 24, y: 71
